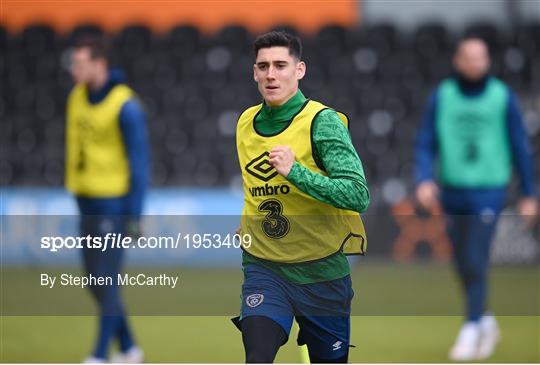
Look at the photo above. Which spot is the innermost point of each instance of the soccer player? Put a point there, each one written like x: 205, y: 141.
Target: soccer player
x: 304, y: 187
x: 473, y: 126
x: 107, y: 171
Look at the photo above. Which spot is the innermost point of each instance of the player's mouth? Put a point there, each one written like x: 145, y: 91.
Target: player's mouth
x: 272, y: 87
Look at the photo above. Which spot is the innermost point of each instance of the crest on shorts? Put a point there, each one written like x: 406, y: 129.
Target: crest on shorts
x: 254, y: 300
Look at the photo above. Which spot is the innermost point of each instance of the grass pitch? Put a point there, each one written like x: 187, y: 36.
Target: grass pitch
x: 401, y: 314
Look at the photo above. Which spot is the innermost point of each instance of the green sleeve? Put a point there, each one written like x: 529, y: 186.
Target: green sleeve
x: 345, y: 186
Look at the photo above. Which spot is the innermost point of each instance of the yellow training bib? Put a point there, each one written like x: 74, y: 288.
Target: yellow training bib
x: 285, y: 224
x: 96, y: 161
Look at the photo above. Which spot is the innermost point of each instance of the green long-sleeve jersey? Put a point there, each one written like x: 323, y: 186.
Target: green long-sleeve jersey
x: 345, y: 186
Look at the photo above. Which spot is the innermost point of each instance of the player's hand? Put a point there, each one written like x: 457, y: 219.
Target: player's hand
x: 427, y: 194
x: 282, y: 158
x: 528, y: 209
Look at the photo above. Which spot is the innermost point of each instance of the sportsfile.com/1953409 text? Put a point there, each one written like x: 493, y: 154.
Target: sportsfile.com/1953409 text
x: 119, y: 240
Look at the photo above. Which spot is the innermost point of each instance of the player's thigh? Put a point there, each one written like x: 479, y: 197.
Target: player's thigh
x: 327, y: 337
x: 323, y: 313
x: 327, y: 299
x: 263, y: 294
x: 262, y: 337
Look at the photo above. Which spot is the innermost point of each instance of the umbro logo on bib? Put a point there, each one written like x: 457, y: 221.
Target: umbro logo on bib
x: 260, y: 168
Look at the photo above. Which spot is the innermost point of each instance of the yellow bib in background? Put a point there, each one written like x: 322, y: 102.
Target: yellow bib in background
x: 285, y: 224
x: 96, y: 161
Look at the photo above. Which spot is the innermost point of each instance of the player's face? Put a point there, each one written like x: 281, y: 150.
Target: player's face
x: 277, y: 74
x: 83, y: 68
x: 472, y: 59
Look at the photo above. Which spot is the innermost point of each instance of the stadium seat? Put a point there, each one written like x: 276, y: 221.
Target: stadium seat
x: 134, y: 40
x: 488, y: 32
x: 235, y: 37
x: 53, y: 172
x: 84, y: 30
x: 384, y: 37
x: 165, y: 76
x: 6, y: 171
x: 3, y: 39
x: 38, y: 39
x: 430, y: 40
x: 183, y: 41
x: 527, y: 37
x: 331, y: 38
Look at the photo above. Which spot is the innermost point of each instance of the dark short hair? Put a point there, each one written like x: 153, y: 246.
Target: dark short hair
x: 98, y: 45
x: 279, y: 39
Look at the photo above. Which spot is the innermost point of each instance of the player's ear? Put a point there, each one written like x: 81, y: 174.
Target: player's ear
x: 300, y: 70
x: 255, y: 77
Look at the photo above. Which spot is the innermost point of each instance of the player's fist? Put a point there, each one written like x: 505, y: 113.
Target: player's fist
x: 427, y: 195
x: 282, y: 158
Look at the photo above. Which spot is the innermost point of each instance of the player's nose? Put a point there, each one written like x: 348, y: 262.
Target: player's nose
x: 271, y: 74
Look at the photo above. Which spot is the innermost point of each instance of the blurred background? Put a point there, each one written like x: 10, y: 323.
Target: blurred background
x: 191, y: 64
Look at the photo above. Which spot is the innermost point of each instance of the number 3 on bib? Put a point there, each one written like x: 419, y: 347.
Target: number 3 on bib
x: 274, y: 225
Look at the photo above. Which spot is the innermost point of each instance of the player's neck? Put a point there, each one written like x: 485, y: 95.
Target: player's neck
x: 468, y: 85
x: 98, y: 82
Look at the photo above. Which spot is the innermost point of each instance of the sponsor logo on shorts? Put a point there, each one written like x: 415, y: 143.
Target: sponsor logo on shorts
x: 337, y: 345
x: 254, y: 300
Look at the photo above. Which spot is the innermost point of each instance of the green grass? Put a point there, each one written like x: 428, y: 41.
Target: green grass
x: 408, y: 313
x: 215, y: 339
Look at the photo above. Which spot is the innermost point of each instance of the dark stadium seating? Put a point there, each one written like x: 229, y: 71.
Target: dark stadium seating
x: 194, y: 86
x: 431, y: 40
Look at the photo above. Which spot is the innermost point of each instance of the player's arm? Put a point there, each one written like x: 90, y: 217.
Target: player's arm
x: 425, y: 153
x: 345, y: 186
x: 133, y: 127
x: 523, y: 158
x: 521, y: 149
x: 426, y: 142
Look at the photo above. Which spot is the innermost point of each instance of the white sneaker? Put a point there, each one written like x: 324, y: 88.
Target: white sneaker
x: 94, y: 360
x: 132, y: 356
x: 466, y: 346
x: 490, y: 335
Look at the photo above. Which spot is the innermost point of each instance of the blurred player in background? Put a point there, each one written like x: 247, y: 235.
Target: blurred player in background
x: 107, y: 166
x: 304, y: 186
x: 473, y: 126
